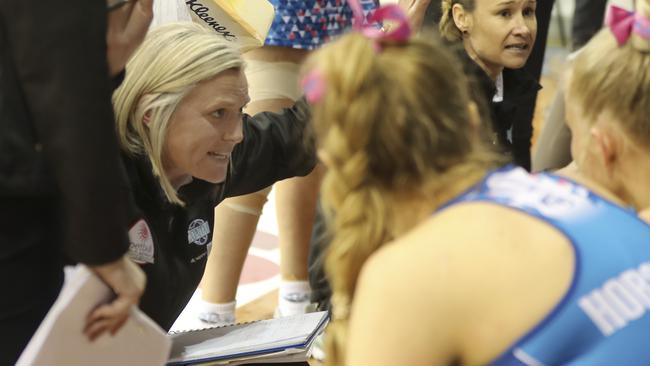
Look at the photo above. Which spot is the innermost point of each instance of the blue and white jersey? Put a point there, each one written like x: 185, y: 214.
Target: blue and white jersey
x: 604, y: 318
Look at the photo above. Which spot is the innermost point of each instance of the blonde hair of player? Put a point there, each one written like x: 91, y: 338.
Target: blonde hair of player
x: 169, y: 63
x: 392, y: 125
x: 609, y: 89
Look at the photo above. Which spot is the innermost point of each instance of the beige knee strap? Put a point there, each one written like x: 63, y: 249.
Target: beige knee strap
x: 272, y: 80
x: 238, y: 207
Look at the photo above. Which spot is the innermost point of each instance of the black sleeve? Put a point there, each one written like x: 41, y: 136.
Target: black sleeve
x: 522, y: 134
x: 59, y: 52
x: 275, y: 146
x: 321, y: 290
x: 117, y: 80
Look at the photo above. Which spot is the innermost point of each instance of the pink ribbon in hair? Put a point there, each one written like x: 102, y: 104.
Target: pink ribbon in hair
x: 623, y: 22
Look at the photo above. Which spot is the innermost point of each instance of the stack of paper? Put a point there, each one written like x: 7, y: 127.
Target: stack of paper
x: 59, y: 339
x: 286, y: 339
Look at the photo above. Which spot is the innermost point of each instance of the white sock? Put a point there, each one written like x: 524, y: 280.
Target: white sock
x: 219, y: 314
x: 293, y: 298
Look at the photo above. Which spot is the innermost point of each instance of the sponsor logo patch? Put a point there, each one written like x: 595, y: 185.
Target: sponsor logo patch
x: 198, y: 232
x: 141, y: 243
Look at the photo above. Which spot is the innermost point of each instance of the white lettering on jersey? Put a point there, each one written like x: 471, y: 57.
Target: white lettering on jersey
x: 619, y: 301
x: 553, y: 198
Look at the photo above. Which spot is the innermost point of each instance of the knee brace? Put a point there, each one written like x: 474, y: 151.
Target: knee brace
x: 237, y: 205
x: 272, y: 80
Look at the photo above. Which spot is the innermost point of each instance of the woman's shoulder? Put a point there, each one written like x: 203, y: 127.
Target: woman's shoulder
x: 463, y: 269
x: 461, y: 236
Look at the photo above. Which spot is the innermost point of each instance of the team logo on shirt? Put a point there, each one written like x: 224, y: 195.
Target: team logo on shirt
x: 140, y: 243
x: 550, y: 197
x: 198, y: 232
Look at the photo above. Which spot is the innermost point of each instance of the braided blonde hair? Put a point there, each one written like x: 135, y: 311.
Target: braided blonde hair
x: 389, y: 123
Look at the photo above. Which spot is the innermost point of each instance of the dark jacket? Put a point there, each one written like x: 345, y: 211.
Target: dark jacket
x: 61, y: 191
x: 512, y: 126
x: 58, y: 149
x: 173, y: 245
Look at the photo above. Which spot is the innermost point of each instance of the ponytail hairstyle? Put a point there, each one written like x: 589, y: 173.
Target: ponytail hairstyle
x: 391, y: 119
x: 615, y: 78
x: 447, y: 26
x: 169, y: 63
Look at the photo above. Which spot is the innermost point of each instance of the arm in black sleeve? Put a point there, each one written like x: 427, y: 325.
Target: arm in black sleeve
x: 117, y: 80
x: 276, y: 146
x: 59, y: 52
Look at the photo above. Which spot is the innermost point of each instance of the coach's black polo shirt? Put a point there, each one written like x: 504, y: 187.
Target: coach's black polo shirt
x: 171, y: 242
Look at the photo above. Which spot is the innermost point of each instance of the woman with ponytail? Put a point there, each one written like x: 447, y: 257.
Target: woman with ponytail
x: 379, y: 130
x: 438, y: 258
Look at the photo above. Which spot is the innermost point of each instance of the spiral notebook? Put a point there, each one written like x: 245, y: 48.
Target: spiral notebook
x: 285, y: 339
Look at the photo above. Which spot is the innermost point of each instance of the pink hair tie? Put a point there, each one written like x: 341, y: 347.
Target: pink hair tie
x: 623, y: 22
x: 400, y: 32
x: 313, y: 84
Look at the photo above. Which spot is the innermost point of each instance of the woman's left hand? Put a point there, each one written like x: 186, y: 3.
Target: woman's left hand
x: 415, y: 11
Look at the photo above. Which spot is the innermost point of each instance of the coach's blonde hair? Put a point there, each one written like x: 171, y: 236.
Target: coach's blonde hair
x: 172, y: 59
x: 616, y: 79
x: 389, y: 123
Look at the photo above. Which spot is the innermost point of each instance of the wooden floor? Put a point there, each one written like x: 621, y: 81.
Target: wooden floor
x: 261, y: 308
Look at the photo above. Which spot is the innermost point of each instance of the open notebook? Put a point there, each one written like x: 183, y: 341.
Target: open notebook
x: 285, y: 339
x: 59, y: 339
